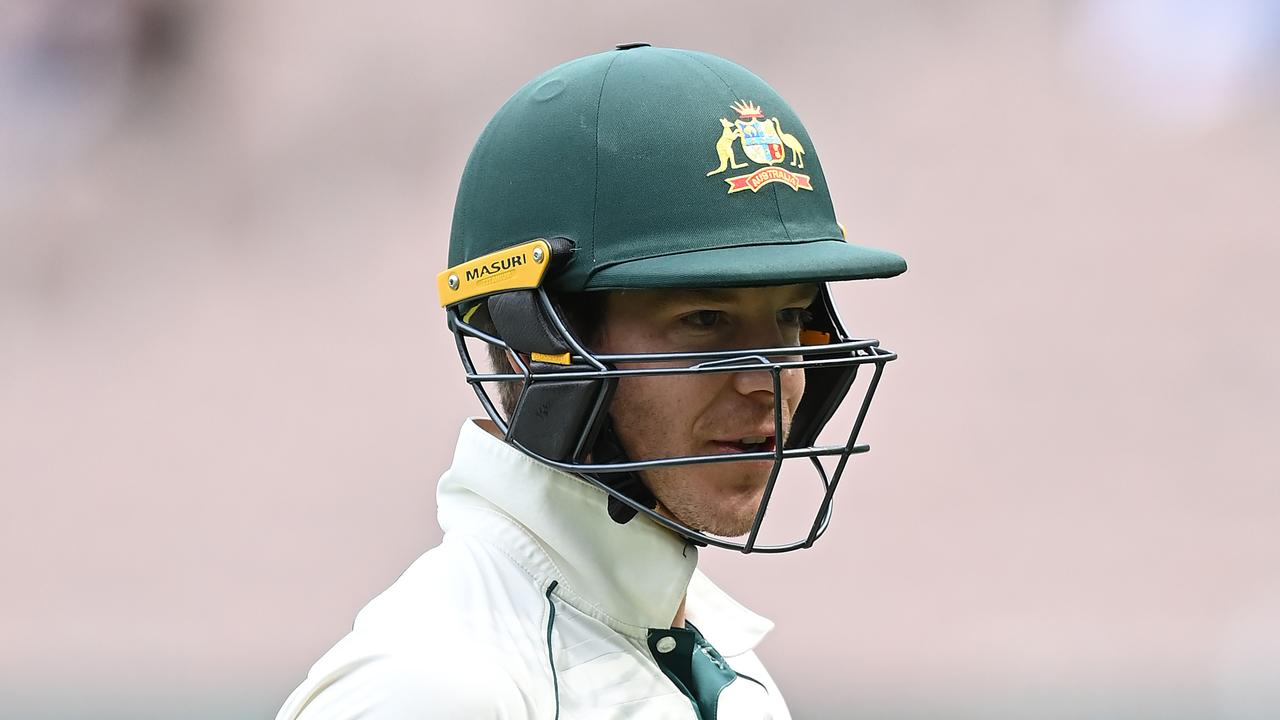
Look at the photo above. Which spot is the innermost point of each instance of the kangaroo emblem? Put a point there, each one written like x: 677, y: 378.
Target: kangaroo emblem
x: 797, y: 150
x: 724, y: 148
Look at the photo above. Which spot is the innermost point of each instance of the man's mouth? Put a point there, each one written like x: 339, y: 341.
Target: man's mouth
x: 757, y: 443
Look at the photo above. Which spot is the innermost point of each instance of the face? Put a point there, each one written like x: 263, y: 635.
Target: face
x: 678, y: 415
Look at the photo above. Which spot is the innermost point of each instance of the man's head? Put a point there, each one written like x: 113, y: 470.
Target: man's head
x: 657, y: 284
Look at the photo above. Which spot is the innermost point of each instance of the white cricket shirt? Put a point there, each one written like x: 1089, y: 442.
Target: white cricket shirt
x: 538, y: 605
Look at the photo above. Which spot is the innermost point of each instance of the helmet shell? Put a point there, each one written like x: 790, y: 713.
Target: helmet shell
x: 666, y: 168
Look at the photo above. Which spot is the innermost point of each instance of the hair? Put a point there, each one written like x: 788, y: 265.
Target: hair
x: 584, y: 314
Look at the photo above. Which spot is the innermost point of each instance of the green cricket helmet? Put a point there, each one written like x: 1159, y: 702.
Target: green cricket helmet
x: 645, y: 168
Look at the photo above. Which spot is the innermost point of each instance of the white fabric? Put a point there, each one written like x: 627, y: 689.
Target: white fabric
x: 463, y: 633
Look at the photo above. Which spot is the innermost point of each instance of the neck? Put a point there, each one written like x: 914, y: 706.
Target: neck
x: 678, y: 621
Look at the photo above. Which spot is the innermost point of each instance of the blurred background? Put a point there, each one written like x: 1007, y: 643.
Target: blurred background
x: 226, y: 392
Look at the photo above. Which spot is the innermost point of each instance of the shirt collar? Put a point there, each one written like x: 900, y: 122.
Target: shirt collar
x: 631, y: 577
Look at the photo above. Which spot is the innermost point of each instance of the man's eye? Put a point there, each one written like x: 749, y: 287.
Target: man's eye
x: 796, y: 317
x: 704, y: 319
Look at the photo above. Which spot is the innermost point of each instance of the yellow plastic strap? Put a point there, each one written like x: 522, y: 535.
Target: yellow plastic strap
x: 561, y: 359
x: 519, y: 267
x: 814, y: 337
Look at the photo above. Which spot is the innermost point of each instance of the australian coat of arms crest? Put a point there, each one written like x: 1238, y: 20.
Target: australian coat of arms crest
x: 763, y: 142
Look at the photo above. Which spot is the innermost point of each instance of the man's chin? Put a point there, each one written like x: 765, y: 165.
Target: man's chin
x: 727, y: 505
x: 736, y: 516
x: 729, y: 527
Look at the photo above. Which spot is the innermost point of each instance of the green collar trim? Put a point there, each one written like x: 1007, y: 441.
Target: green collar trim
x: 551, y: 656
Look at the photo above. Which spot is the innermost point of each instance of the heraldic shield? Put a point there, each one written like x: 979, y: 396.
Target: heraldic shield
x: 760, y: 141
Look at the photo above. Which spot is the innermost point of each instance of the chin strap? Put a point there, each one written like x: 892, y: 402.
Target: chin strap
x: 608, y: 449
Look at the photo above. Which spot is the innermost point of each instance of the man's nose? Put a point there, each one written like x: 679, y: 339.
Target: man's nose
x: 759, y: 383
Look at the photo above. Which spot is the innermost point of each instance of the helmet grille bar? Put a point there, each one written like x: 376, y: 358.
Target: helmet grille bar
x: 844, y: 458
x: 775, y: 373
